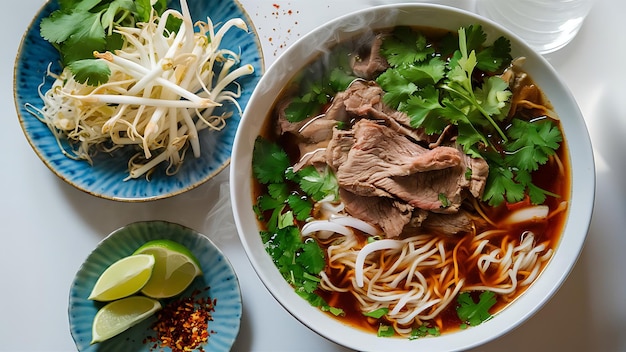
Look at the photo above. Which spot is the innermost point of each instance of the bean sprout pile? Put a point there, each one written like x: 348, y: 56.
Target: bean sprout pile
x: 163, y: 89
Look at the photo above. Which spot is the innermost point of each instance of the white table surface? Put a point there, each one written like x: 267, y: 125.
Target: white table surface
x: 48, y: 227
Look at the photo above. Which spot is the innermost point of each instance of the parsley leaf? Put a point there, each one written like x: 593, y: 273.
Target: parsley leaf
x: 78, y: 28
x: 475, y: 313
x: 501, y: 186
x: 318, y: 185
x: 311, y: 257
x: 426, y: 73
x: 265, y: 203
x: 385, y: 331
x: 397, y: 87
x: 475, y: 37
x: 496, y: 56
x: 396, y: 51
x: 91, y: 71
x: 316, y: 87
x: 532, y: 143
x: 424, y: 109
x: 489, y: 58
x: 300, y: 205
x: 269, y: 161
x: 377, y: 313
x: 435, y: 93
x: 493, y: 97
x: 459, y: 86
x: 423, y: 331
x: 278, y: 191
x: 59, y: 26
x: 299, y: 261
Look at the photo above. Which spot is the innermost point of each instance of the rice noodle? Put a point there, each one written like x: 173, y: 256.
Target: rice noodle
x: 324, y: 228
x: 526, y: 256
x: 355, y: 223
x: 368, y: 249
x: 534, y: 213
x: 417, y: 278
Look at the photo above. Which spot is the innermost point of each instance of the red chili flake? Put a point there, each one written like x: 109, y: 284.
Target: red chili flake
x: 281, y: 37
x: 182, y: 324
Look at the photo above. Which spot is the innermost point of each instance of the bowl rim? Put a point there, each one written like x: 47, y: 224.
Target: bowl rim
x: 582, y: 190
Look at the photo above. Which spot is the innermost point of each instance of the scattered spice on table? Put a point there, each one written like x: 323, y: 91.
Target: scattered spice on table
x: 183, y: 324
x: 281, y: 37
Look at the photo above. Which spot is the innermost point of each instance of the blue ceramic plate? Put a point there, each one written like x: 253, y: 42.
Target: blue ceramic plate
x: 219, y: 277
x: 105, y: 178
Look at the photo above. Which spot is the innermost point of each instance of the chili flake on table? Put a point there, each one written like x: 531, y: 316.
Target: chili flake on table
x: 182, y: 324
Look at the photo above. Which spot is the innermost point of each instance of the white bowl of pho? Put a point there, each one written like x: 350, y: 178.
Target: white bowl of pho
x: 403, y: 178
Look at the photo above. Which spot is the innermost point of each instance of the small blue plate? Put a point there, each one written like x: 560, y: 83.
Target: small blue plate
x: 105, y: 178
x: 218, y: 276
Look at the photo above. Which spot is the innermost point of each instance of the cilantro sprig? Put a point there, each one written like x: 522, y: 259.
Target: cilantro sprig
x: 80, y: 27
x: 289, y: 198
x: 455, y: 82
x: 316, y: 87
x: 435, y: 91
x: 475, y: 313
x: 271, y: 167
x: 510, y: 173
x: 423, y: 331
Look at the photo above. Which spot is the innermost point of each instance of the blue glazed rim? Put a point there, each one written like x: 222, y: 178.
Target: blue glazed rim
x: 105, y: 178
x: 218, y: 275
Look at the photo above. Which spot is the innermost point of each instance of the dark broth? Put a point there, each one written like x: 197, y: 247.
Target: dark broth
x: 545, y: 231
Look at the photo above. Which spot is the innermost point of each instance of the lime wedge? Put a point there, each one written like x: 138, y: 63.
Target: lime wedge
x: 123, y: 278
x: 175, y: 268
x: 117, y: 316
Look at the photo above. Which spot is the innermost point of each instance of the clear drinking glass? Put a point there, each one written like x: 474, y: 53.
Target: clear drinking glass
x: 546, y: 25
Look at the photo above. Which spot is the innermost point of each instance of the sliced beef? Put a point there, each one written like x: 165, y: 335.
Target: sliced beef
x: 479, y: 171
x: 356, y: 101
x: 447, y: 224
x: 390, y: 215
x: 339, y: 147
x: 283, y: 125
x: 364, y: 99
x: 317, y: 130
x: 443, y: 224
x: 384, y: 163
x: 396, y: 218
x: 371, y: 63
x: 311, y: 154
x: 387, y: 175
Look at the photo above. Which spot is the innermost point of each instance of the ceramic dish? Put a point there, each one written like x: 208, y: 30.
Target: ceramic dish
x: 218, y: 275
x: 301, y: 54
x: 105, y: 178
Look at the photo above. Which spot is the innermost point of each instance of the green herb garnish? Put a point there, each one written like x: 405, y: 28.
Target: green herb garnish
x: 423, y: 331
x: 298, y: 261
x: 377, y: 314
x: 317, y: 86
x: 474, y: 313
x: 80, y: 27
x: 436, y: 91
x: 385, y: 331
